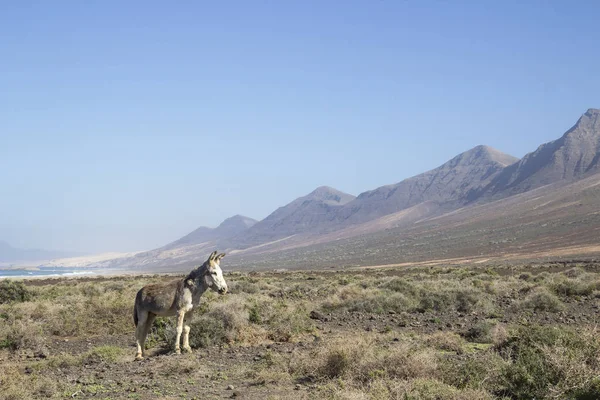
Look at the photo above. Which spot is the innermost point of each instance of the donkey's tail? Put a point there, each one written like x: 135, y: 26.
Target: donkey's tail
x: 138, y: 297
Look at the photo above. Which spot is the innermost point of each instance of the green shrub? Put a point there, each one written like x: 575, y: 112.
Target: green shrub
x: 222, y: 324
x: 21, y: 335
x: 481, y: 332
x: 244, y: 287
x: 544, y: 360
x: 542, y: 300
x: 14, y: 291
x: 254, y: 314
x: 575, y: 287
x: 475, y: 370
x: 377, y: 302
x: 525, y: 276
x: 402, y: 286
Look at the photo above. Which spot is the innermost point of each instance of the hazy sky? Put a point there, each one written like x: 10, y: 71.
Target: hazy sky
x: 125, y: 125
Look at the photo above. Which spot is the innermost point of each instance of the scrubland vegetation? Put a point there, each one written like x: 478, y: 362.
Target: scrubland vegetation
x: 527, y: 332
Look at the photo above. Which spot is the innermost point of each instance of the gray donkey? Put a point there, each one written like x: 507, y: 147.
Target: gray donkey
x: 176, y: 298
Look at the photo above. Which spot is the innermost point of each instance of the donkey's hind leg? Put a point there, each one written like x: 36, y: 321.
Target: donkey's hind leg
x: 140, y: 333
x: 147, y: 326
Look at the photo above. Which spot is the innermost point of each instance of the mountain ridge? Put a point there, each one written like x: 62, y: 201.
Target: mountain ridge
x: 574, y: 154
x: 479, y: 176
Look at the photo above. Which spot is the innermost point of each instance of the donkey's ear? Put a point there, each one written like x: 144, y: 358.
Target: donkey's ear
x: 212, y: 256
x: 219, y: 257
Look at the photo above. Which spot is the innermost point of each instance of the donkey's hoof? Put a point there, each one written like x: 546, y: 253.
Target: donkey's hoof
x: 177, y: 351
x: 187, y: 349
x: 139, y: 357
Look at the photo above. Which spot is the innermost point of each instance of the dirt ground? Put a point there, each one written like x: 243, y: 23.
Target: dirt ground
x: 258, y: 364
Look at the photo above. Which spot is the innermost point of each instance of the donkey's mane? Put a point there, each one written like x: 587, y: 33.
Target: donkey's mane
x: 194, y: 274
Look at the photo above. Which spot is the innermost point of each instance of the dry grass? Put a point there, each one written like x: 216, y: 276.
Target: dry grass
x: 448, y: 333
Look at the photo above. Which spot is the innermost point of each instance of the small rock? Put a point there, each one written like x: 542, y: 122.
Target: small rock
x: 391, y: 312
x: 318, y: 316
x: 230, y: 387
x: 298, y: 386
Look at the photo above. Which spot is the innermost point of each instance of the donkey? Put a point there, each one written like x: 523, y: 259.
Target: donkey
x: 176, y: 298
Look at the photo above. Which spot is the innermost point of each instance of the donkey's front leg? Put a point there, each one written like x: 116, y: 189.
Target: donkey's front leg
x: 186, y: 333
x: 180, y: 318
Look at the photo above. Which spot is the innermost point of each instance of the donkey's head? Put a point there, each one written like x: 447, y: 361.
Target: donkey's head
x: 214, y: 276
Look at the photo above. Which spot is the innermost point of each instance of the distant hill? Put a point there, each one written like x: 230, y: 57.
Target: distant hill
x: 190, y: 249
x: 305, y: 214
x: 452, y: 184
x: 230, y: 227
x: 466, y: 206
x: 9, y: 254
x: 553, y: 222
x: 574, y: 155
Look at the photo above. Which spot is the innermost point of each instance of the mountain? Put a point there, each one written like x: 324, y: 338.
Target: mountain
x: 476, y: 202
x: 9, y: 254
x: 305, y: 214
x: 189, y: 249
x: 560, y: 221
x: 452, y: 184
x: 574, y: 155
x: 230, y: 227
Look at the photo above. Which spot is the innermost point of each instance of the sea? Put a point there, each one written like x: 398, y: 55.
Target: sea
x: 45, y: 271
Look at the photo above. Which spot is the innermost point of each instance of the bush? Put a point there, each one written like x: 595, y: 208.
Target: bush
x: 244, y: 287
x: 574, y: 272
x: 432, y: 389
x: 575, y: 287
x: 441, y: 299
x: 364, y: 361
x: 525, y: 276
x: 542, y: 300
x: 481, y: 332
x: 223, y: 323
x: 476, y: 370
x: 378, y: 302
x: 446, y: 341
x: 545, y: 361
x: 21, y: 335
x: 14, y: 291
x: 402, y: 286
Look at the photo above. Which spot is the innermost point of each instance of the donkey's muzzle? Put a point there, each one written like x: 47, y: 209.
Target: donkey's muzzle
x: 222, y: 290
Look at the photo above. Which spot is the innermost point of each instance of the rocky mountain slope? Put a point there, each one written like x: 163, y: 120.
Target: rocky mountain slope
x: 229, y: 228
x: 481, y: 180
x: 574, y: 155
x: 553, y: 222
x: 308, y: 213
x: 452, y: 184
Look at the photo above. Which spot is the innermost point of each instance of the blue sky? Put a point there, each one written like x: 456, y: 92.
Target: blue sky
x: 125, y: 125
